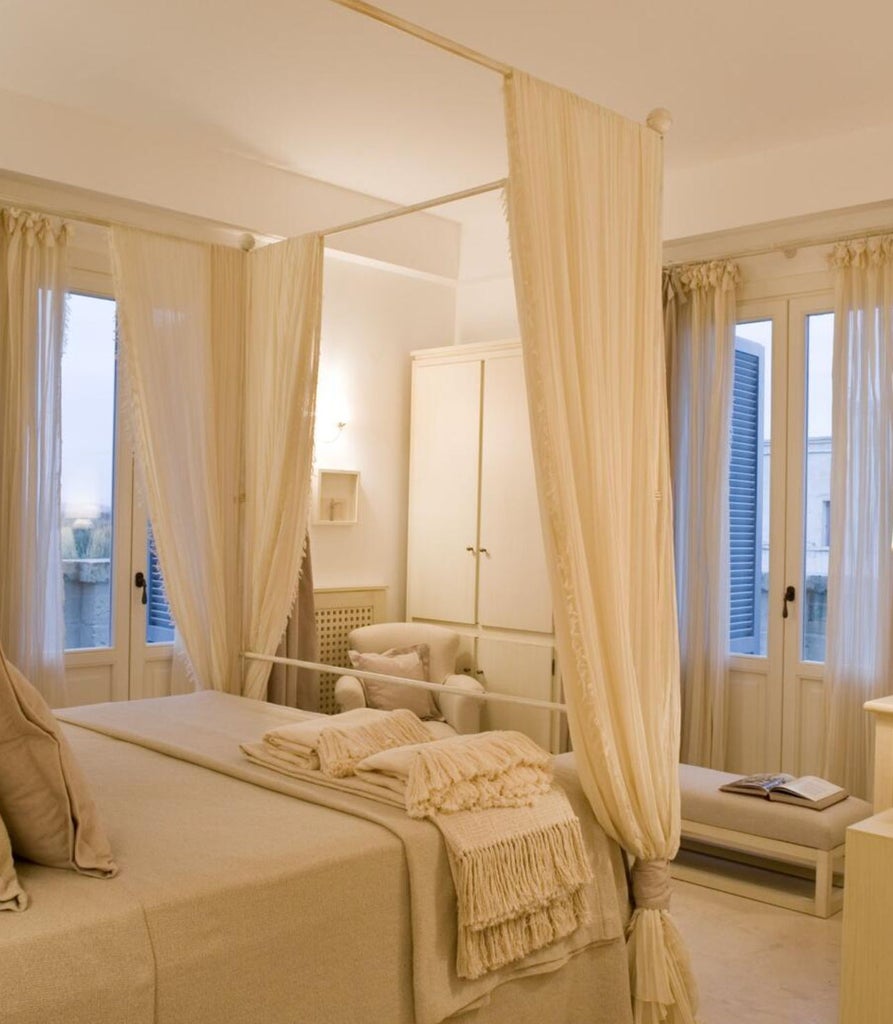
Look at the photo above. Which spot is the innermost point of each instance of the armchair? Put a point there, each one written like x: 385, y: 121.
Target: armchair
x: 462, y: 714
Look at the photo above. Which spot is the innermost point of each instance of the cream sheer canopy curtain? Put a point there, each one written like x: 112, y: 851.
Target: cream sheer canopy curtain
x: 32, y: 322
x: 281, y: 366
x: 699, y: 328
x: 219, y: 352
x: 181, y: 316
x: 584, y: 216
x: 859, y: 663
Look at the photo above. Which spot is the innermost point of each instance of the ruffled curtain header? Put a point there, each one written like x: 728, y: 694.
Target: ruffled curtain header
x: 863, y: 253
x: 35, y: 228
x: 679, y: 282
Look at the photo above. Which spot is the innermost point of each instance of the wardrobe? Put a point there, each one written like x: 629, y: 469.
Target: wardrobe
x: 475, y: 559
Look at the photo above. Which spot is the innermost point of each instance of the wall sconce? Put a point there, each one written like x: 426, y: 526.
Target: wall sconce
x: 327, y: 433
x: 332, y: 407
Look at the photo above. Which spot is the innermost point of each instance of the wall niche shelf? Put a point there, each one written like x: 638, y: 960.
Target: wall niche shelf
x: 337, y: 492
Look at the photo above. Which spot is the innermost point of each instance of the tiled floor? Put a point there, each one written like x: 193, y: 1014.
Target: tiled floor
x: 759, y: 964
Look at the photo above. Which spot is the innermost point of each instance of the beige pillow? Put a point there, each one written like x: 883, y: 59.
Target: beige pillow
x: 44, y: 800
x: 12, y: 895
x: 407, y: 662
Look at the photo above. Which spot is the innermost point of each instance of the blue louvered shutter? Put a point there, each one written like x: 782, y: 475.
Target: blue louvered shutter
x: 159, y: 621
x: 746, y: 499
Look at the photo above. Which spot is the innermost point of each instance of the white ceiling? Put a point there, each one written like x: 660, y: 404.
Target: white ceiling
x: 309, y: 86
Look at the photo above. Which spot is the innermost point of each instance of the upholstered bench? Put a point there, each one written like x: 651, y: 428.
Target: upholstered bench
x: 746, y: 845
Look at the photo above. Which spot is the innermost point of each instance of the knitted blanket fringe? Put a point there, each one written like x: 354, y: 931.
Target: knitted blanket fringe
x: 492, y: 769
x: 515, y: 846
x: 341, y: 748
x: 520, y: 873
x: 491, y: 948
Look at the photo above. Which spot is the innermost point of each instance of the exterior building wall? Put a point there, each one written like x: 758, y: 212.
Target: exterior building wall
x: 813, y: 590
x: 88, y: 592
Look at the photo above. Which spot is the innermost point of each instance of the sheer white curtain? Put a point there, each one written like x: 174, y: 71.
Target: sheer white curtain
x: 281, y: 365
x: 584, y: 216
x: 699, y: 327
x: 859, y: 663
x: 181, y: 314
x: 32, y: 323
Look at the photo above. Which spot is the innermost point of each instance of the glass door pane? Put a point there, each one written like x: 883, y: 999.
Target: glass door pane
x: 817, y: 485
x: 88, y: 450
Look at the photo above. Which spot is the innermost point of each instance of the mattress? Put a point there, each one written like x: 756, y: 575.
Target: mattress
x: 244, y: 898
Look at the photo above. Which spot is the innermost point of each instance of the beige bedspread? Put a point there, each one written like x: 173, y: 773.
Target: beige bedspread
x: 332, y: 909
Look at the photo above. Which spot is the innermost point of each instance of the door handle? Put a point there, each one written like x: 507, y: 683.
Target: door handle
x: 139, y: 581
x: 790, y: 594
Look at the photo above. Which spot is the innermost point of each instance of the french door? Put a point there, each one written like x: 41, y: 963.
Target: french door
x: 118, y: 633
x: 779, y: 533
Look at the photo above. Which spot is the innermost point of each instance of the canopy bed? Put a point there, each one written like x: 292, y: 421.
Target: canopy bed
x: 241, y: 898
x: 244, y: 895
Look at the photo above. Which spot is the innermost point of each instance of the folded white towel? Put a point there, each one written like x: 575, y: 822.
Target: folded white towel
x: 335, y: 744
x: 297, y: 742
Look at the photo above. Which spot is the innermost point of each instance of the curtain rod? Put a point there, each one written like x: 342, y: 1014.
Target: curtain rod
x: 247, y: 238
x: 410, y: 28
x: 503, y: 698
x: 658, y: 120
x: 427, y: 204
x: 789, y: 249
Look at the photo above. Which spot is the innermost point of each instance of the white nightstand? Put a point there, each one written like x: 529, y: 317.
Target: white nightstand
x: 866, y: 990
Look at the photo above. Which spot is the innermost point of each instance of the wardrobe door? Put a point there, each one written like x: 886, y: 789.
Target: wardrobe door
x: 513, y: 584
x: 443, y: 488
x: 523, y: 669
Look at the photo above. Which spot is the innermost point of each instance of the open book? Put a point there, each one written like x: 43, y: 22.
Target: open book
x: 807, y: 791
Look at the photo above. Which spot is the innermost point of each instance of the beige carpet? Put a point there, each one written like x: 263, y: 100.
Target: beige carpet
x: 759, y: 964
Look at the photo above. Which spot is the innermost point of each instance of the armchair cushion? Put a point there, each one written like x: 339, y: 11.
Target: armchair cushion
x: 463, y: 713
x: 443, y: 644
x: 408, y: 662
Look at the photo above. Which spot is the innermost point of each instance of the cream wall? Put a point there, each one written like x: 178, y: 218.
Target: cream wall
x: 485, y: 296
x: 373, y: 317
x: 832, y: 173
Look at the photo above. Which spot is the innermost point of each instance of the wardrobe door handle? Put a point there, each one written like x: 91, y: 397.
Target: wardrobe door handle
x: 470, y: 549
x: 484, y: 551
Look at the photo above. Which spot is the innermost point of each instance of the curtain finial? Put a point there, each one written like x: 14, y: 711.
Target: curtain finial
x: 660, y: 120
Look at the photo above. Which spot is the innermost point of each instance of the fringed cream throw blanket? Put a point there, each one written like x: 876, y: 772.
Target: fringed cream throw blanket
x: 515, y: 845
x: 335, y: 744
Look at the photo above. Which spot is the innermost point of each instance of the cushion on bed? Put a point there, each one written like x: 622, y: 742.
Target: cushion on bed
x: 12, y: 895
x: 44, y: 799
x: 407, y: 662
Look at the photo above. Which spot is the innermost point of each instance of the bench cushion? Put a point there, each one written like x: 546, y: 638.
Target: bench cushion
x: 819, y: 830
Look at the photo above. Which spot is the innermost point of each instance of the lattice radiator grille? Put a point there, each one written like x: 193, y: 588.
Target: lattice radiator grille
x: 337, y: 613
